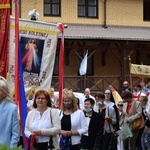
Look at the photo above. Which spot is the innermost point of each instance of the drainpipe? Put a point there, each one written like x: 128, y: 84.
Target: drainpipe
x: 105, y: 13
x: 20, y: 9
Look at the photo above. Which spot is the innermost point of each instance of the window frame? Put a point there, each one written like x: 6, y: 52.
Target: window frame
x: 52, y: 3
x: 146, y: 11
x: 86, y: 9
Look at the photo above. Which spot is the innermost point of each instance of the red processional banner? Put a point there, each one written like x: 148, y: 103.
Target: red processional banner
x: 4, y: 35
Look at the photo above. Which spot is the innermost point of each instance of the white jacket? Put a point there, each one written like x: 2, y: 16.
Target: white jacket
x: 56, y: 128
x: 78, y: 122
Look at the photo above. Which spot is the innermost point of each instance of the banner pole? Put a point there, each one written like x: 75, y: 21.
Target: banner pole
x: 142, y: 76
x: 130, y: 73
x: 61, y: 62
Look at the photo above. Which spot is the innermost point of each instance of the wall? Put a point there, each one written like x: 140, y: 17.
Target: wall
x: 119, y: 12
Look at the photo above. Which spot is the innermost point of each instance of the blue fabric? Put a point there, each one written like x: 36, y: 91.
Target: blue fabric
x: 65, y: 143
x: 9, y: 124
x: 23, y: 104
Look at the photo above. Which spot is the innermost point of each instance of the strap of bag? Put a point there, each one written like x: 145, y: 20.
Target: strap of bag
x: 108, y: 121
x: 51, y: 137
x: 51, y: 116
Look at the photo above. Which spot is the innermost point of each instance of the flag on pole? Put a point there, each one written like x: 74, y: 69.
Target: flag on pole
x: 19, y: 83
x: 116, y: 96
x: 4, y: 35
x: 83, y: 65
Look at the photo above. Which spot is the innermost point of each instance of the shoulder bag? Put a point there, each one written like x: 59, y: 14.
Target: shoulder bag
x: 137, y: 123
x: 51, y: 144
x: 147, y: 122
x: 113, y: 138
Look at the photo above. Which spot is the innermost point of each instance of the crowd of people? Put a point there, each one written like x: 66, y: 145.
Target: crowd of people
x: 88, y: 122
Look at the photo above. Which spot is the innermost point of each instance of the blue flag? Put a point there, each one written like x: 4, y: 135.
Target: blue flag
x: 83, y: 65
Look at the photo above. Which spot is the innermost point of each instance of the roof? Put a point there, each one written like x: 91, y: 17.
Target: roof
x: 110, y: 33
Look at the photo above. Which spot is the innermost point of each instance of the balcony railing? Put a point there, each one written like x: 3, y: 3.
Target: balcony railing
x: 96, y: 83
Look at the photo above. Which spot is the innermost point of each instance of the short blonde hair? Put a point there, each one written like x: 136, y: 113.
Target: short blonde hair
x: 68, y: 95
x: 4, y: 87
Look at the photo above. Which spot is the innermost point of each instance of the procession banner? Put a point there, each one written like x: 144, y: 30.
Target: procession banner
x: 142, y: 71
x: 37, y: 42
x: 4, y: 35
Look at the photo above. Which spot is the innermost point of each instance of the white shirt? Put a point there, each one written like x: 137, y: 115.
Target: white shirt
x: 88, y: 119
x: 109, y: 103
x: 41, y: 122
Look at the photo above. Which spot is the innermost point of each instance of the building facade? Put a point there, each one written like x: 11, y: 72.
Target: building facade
x: 111, y: 30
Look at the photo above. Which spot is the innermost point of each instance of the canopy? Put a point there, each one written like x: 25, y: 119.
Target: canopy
x: 142, y: 71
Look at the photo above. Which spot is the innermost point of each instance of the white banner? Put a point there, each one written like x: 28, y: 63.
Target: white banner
x: 38, y: 43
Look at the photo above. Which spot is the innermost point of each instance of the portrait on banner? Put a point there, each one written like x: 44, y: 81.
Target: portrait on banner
x: 31, y: 54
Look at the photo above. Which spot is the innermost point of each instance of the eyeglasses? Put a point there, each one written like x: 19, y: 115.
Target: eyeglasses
x: 107, y: 93
x: 67, y: 101
x: 120, y: 105
x: 40, y: 98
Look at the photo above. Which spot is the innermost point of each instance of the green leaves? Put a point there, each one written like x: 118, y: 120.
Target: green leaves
x: 5, y: 147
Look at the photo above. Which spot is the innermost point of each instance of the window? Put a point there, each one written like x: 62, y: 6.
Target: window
x: 51, y: 7
x: 88, y: 8
x: 146, y: 10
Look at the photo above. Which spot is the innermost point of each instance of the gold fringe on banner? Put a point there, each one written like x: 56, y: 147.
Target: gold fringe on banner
x: 3, y: 6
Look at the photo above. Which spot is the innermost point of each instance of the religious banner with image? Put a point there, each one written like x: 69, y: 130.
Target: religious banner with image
x: 37, y: 44
x: 4, y: 35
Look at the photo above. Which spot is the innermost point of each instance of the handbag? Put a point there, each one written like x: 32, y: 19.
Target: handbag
x: 113, y: 138
x: 125, y: 131
x: 147, y: 122
x: 137, y: 123
x: 65, y: 143
x: 113, y: 142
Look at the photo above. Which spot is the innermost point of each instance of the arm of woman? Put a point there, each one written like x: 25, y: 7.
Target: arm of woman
x: 56, y: 125
x: 83, y: 125
x: 15, y: 129
x: 27, y: 46
x: 112, y: 115
x: 27, y: 131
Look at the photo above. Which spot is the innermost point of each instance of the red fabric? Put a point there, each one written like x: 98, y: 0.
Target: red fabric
x: 136, y: 97
x: 17, y: 85
x: 4, y: 37
x: 17, y: 92
x: 147, y: 94
x: 128, y: 108
x: 61, y: 62
x: 32, y: 141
